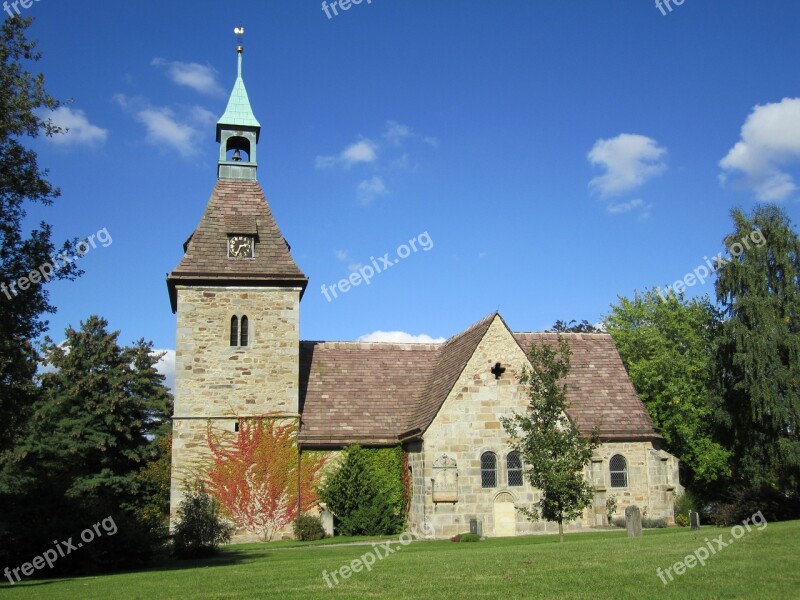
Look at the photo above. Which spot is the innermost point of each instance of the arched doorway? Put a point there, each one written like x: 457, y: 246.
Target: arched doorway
x: 505, y: 515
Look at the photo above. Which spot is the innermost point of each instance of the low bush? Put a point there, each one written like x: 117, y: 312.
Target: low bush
x: 682, y: 520
x: 308, y: 528
x: 654, y: 523
x: 466, y: 537
x: 646, y: 523
x: 201, y: 528
x: 773, y: 505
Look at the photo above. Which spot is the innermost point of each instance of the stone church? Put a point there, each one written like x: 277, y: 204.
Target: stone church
x: 237, y: 293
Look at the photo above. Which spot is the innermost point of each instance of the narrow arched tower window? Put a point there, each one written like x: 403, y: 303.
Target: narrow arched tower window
x: 244, y: 337
x: 234, y: 331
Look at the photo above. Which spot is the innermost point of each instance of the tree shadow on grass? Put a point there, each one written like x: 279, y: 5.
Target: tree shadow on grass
x: 225, y: 558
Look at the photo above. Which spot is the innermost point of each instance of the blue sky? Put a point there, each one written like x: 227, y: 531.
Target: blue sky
x: 558, y: 154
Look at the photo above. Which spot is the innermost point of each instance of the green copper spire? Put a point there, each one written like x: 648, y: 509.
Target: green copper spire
x: 238, y: 130
x: 238, y: 113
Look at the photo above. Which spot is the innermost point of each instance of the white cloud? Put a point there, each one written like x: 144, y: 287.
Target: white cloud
x: 201, y: 78
x: 623, y: 207
x: 770, y: 139
x: 383, y: 154
x: 202, y: 116
x: 618, y: 208
x: 399, y: 337
x: 78, y: 128
x: 363, y: 151
x: 369, y: 189
x: 325, y: 162
x: 396, y: 133
x: 165, y: 128
x: 166, y: 366
x: 344, y: 256
x: 630, y: 160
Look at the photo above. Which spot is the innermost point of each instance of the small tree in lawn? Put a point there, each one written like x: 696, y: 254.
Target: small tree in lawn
x: 255, y: 476
x: 200, y: 528
x: 553, y: 450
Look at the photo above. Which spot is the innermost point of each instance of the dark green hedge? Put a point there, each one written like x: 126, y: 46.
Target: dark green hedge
x: 365, y: 492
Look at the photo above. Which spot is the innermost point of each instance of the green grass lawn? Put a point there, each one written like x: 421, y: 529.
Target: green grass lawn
x: 762, y: 564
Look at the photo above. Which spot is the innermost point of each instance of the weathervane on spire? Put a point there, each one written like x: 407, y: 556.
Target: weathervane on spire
x: 239, y: 31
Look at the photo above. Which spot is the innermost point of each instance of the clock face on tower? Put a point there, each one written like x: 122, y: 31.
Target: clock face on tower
x: 240, y: 246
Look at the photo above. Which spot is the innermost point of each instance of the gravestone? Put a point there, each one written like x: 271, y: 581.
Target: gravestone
x: 327, y: 522
x: 694, y: 520
x: 633, y: 521
x: 476, y: 526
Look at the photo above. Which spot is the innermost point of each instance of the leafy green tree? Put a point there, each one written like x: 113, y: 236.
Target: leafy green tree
x: 95, y: 427
x: 574, y: 327
x: 667, y: 345
x: 366, y: 492
x: 758, y: 361
x: 22, y: 182
x: 554, y: 451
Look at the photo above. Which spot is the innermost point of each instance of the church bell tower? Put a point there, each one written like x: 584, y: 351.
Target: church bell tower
x: 236, y: 293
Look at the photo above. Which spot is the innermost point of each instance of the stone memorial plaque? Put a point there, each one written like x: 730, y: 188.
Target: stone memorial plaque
x: 445, y: 479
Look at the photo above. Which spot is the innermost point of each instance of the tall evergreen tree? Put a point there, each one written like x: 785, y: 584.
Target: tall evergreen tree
x: 22, y: 182
x: 554, y: 451
x: 759, y: 354
x: 91, y: 434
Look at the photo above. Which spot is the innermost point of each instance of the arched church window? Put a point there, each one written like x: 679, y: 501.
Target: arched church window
x: 618, y: 467
x: 514, y: 468
x: 245, y: 335
x: 488, y: 470
x: 234, y: 330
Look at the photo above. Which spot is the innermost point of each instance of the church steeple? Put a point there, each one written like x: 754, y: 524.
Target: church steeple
x: 237, y: 243
x: 238, y: 130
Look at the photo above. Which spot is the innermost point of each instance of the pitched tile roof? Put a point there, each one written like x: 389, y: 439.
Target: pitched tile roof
x: 236, y: 206
x: 382, y: 393
x: 599, y: 390
x: 360, y: 392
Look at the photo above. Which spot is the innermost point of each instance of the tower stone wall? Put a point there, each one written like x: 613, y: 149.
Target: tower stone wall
x: 216, y: 383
